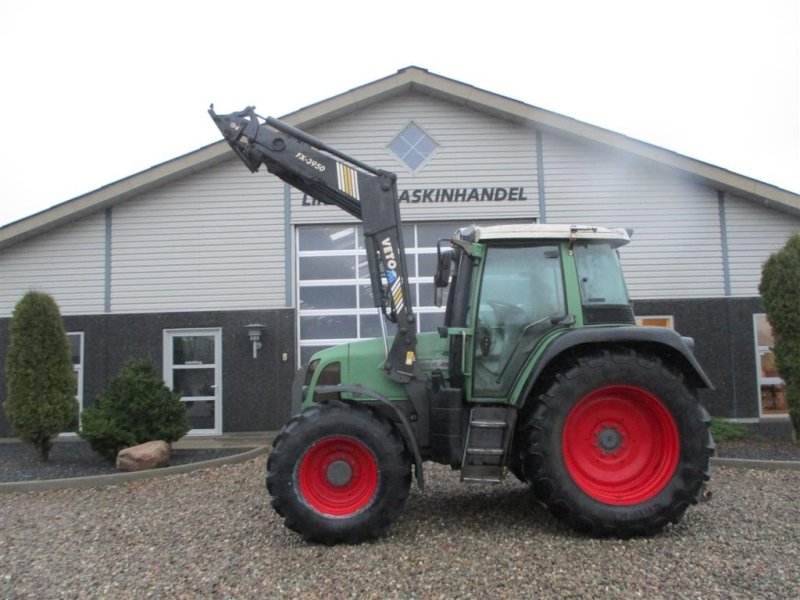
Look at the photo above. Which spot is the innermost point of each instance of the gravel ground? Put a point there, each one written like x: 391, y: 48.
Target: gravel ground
x: 212, y: 534
x: 18, y: 461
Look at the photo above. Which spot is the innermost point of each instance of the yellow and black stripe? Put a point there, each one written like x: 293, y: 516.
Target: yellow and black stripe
x: 348, y: 180
x: 397, y: 294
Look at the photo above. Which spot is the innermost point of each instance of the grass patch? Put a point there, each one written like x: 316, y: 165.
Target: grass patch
x: 723, y: 430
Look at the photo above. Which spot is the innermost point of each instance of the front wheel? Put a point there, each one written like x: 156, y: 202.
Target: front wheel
x: 617, y: 444
x: 338, y: 473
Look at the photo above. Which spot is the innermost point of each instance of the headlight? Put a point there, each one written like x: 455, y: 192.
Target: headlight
x: 331, y: 375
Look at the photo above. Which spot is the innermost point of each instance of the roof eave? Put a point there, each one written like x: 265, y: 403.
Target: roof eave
x: 415, y: 78
x: 114, y: 193
x: 410, y: 78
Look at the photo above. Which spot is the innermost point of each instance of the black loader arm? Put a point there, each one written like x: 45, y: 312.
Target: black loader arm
x: 367, y: 193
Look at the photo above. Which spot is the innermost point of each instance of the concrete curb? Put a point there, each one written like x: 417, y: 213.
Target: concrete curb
x: 747, y: 463
x: 117, y: 478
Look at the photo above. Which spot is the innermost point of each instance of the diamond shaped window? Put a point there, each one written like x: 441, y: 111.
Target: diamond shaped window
x: 413, y: 146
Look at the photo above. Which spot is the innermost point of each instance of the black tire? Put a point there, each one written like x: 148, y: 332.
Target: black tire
x: 338, y: 473
x: 617, y: 444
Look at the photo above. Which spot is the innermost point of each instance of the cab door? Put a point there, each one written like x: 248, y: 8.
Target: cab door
x: 521, y: 299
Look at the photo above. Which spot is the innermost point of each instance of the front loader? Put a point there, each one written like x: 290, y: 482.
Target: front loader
x: 538, y: 369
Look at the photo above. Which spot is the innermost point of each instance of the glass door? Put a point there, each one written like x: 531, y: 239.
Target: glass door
x: 193, y: 367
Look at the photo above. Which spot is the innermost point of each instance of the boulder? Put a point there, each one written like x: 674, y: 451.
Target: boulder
x: 150, y: 455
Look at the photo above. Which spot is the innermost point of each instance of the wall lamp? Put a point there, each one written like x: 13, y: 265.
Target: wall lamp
x: 254, y: 330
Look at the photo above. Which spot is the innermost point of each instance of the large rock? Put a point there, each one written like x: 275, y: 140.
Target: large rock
x: 150, y: 455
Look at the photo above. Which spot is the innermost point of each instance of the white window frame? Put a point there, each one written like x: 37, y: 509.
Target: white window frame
x: 78, y: 370
x: 402, y: 161
x: 359, y: 252
x: 761, y: 380
x: 169, y: 369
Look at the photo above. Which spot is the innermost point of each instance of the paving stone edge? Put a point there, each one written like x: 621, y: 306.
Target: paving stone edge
x: 116, y: 478
x: 748, y: 463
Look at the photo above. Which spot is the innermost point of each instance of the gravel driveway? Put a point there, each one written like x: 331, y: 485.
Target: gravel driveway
x: 212, y: 534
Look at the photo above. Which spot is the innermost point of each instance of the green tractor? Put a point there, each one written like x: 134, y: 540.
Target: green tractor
x: 538, y: 369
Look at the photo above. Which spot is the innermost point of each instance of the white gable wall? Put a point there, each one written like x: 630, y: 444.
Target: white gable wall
x: 754, y: 232
x: 676, y: 250
x: 216, y: 239
x: 211, y: 241
x: 68, y: 263
x: 475, y: 151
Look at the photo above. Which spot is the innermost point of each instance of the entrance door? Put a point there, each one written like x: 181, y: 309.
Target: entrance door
x: 193, y: 367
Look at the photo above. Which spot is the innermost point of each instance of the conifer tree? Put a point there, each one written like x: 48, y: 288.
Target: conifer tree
x: 39, y: 375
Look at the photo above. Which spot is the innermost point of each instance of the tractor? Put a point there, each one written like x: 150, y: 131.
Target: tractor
x: 538, y: 369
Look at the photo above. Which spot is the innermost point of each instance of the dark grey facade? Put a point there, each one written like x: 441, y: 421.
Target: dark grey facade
x: 723, y: 333
x: 256, y: 390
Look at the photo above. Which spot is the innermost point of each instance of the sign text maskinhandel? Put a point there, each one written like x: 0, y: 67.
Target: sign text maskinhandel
x: 485, y: 194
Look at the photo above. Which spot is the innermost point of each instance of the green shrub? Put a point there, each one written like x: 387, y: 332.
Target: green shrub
x: 136, y: 407
x: 723, y: 430
x: 39, y: 376
x: 780, y: 291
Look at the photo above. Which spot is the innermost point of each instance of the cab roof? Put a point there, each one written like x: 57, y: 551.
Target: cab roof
x: 546, y: 231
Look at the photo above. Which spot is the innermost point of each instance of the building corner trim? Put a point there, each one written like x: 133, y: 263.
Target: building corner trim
x: 107, y: 265
x: 540, y: 177
x: 723, y: 236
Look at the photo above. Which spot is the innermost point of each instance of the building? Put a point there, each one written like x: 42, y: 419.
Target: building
x: 177, y: 263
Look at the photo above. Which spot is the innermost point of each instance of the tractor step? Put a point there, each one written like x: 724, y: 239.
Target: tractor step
x: 485, y: 451
x: 488, y: 424
x: 487, y: 443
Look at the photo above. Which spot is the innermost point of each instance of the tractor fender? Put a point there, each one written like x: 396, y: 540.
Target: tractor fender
x: 659, y: 339
x: 405, y: 426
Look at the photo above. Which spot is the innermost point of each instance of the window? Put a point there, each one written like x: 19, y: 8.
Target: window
x: 771, y: 387
x: 334, y: 297
x: 600, y: 274
x: 413, y: 146
x: 333, y: 286
x: 656, y: 321
x: 75, y: 340
x: 193, y: 367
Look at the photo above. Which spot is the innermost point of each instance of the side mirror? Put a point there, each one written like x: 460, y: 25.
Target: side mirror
x: 444, y: 265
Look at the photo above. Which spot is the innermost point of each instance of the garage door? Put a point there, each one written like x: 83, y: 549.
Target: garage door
x: 333, y: 288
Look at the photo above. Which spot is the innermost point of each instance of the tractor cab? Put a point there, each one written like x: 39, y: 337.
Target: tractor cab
x: 516, y: 286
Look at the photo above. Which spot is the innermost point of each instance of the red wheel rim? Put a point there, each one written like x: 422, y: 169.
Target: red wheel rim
x: 338, y: 476
x: 621, y: 445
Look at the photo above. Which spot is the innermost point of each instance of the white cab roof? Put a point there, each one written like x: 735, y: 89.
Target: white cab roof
x: 551, y: 231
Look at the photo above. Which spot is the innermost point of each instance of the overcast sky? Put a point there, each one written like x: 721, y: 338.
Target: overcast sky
x: 93, y: 92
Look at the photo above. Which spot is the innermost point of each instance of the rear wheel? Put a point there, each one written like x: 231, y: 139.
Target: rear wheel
x: 338, y: 473
x: 617, y: 444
